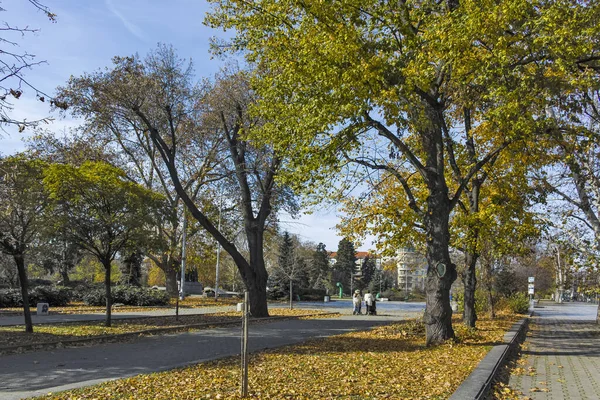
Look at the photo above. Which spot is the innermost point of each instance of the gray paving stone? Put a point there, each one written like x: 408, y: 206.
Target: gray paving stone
x: 563, y: 348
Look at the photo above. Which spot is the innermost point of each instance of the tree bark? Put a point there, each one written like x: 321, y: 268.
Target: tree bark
x: 64, y: 275
x: 171, y: 281
x: 20, y: 261
x: 438, y: 312
x: 470, y: 282
x: 108, y: 296
x: 255, y: 277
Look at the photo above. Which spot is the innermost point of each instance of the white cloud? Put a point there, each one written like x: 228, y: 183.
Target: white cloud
x: 131, y: 27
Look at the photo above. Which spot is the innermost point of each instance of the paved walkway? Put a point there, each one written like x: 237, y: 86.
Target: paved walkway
x: 399, y: 309
x: 561, y: 356
x: 34, y: 374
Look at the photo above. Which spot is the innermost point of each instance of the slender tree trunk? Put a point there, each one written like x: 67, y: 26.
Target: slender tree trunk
x: 441, y: 273
x: 108, y: 295
x: 20, y: 261
x: 491, y: 302
x: 470, y: 282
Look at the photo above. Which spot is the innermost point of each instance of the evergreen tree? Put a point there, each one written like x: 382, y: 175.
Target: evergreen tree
x: 320, y: 271
x: 368, y: 272
x: 345, y: 264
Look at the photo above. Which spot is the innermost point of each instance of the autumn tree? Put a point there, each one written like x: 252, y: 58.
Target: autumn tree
x: 428, y: 92
x: 23, y: 201
x: 101, y: 211
x: 156, y: 96
x: 14, y: 62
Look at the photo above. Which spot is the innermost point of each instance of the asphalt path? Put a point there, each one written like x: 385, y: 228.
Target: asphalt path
x: 342, y: 306
x: 34, y: 374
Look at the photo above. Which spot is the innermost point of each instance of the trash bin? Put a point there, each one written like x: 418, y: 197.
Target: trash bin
x: 326, y: 299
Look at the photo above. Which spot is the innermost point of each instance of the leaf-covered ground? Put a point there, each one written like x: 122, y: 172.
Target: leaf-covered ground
x: 80, y: 308
x: 16, y: 336
x: 389, y: 362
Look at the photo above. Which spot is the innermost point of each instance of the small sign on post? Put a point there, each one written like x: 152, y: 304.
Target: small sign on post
x: 531, y: 279
x: 42, y: 308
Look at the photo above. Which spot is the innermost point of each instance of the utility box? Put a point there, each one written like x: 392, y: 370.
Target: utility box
x: 43, y: 308
x: 240, y: 307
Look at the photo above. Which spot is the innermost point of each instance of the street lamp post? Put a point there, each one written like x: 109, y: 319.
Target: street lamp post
x: 183, y: 254
x: 218, y: 248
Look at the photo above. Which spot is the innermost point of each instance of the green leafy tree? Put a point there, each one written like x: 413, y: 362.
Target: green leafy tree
x: 428, y: 92
x: 23, y: 202
x: 101, y: 211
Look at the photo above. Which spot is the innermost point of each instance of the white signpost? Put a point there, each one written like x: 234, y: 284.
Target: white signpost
x: 531, y: 291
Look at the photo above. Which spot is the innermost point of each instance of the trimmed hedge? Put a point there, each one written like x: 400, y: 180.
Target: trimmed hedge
x: 128, y: 295
x: 54, y: 295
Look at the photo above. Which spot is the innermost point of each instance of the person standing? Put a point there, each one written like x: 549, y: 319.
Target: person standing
x: 368, y: 302
x: 356, y: 302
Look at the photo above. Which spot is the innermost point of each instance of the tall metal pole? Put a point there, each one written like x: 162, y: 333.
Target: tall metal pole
x: 218, y: 249
x: 244, y: 366
x: 291, y: 295
x: 183, y: 254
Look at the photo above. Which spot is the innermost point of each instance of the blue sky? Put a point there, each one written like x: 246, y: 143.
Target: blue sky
x: 88, y: 33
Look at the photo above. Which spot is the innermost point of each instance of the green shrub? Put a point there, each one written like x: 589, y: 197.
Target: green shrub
x: 56, y: 296
x: 518, y: 303
x: 127, y: 295
x: 310, y: 294
x: 394, y: 295
x: 10, y: 298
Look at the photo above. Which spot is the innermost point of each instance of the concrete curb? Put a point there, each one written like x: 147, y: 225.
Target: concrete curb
x: 178, y: 328
x: 479, y: 382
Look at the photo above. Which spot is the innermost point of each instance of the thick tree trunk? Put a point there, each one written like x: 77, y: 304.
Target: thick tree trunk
x: 171, y: 281
x: 64, y: 275
x: 107, y: 294
x: 470, y: 282
x: 20, y: 261
x: 132, y: 269
x: 256, y: 276
x: 441, y: 273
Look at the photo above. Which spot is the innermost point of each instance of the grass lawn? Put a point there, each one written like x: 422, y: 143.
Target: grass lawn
x: 389, y: 362
x: 45, y: 333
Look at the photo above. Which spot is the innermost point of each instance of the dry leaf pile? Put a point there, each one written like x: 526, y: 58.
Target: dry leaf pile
x: 389, y: 362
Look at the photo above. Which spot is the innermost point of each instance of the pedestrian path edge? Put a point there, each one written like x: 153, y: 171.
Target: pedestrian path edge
x: 478, y: 383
